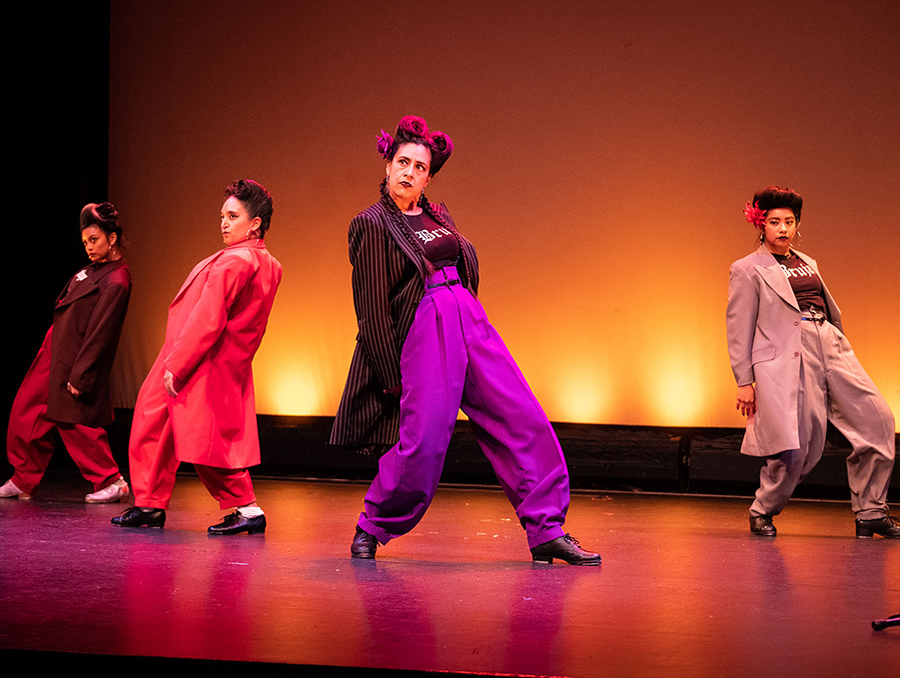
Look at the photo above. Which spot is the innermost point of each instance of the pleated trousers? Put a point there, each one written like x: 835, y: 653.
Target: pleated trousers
x: 833, y: 387
x: 454, y: 359
x: 30, y: 442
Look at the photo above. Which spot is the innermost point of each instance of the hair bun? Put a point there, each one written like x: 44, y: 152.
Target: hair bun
x: 413, y: 125
x: 107, y: 211
x: 441, y: 144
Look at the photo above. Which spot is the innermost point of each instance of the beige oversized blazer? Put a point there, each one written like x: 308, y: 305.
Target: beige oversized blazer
x: 764, y: 346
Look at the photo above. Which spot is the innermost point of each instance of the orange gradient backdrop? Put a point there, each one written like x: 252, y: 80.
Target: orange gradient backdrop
x: 603, y: 155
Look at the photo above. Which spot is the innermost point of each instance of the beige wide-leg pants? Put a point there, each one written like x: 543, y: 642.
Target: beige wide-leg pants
x: 833, y: 387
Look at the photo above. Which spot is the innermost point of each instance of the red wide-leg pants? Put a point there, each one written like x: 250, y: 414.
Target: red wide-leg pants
x: 30, y: 442
x: 152, y: 459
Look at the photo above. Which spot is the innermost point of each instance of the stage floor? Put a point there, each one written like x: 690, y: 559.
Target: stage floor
x: 684, y: 589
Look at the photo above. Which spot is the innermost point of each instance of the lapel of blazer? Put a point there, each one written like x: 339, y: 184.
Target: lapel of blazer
x: 834, y: 313
x: 773, y: 275
x: 206, y: 262
x: 194, y: 273
x: 468, y: 250
x: 94, y: 276
x: 395, y: 225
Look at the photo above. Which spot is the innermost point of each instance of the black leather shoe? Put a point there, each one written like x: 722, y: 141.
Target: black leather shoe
x: 565, y: 548
x: 364, y: 545
x: 762, y: 526
x: 887, y: 526
x: 135, y: 517
x: 236, y: 523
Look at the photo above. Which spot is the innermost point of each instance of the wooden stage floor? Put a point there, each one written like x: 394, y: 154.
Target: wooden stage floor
x: 684, y: 589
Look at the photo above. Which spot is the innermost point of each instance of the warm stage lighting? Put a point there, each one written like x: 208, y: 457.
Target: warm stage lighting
x: 581, y: 397
x: 287, y: 386
x: 677, y: 396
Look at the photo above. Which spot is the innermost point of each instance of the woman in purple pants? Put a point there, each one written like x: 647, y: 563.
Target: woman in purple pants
x: 424, y: 350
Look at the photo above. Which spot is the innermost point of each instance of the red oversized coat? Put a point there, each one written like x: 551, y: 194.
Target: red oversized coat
x: 215, y: 326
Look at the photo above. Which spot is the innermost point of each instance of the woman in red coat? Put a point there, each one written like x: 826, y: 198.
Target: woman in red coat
x: 66, y: 388
x: 197, y: 403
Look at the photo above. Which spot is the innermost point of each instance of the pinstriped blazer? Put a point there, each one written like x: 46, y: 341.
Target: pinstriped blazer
x: 388, y: 283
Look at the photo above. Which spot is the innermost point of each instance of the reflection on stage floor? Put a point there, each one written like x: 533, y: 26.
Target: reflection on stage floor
x: 684, y: 589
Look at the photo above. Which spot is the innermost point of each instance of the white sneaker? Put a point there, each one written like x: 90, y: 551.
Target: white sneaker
x: 109, y: 494
x: 10, y: 491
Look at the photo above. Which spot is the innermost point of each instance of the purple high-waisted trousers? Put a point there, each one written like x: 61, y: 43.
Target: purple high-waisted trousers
x: 454, y: 359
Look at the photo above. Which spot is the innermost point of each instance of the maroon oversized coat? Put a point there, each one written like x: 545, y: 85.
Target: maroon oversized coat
x: 87, y: 324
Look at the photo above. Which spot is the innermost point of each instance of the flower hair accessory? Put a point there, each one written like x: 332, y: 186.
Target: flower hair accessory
x: 385, y: 142
x: 754, y: 215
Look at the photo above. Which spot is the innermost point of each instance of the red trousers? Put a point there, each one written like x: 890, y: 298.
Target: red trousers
x: 152, y: 459
x: 30, y: 442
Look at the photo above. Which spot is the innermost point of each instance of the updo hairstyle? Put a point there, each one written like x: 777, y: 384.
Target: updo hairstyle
x: 104, y: 216
x: 255, y: 199
x: 414, y: 130
x: 774, y: 197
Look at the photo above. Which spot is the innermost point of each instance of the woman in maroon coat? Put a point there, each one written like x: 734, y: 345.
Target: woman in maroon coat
x: 67, y: 387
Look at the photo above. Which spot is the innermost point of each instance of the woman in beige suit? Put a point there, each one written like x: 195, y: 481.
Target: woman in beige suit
x: 796, y: 371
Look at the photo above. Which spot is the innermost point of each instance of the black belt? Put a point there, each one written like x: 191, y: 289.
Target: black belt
x: 446, y: 283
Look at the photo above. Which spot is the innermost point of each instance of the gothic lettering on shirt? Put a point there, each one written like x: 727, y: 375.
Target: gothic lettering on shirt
x: 802, y: 271
x: 427, y: 236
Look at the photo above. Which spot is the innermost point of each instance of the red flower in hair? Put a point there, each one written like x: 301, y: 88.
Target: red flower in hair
x: 385, y: 141
x: 754, y: 215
